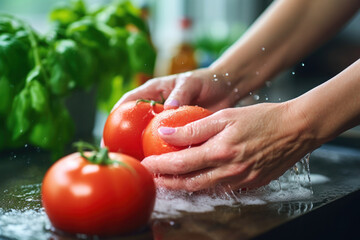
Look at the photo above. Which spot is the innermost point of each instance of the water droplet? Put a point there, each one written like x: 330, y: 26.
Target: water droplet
x: 268, y: 83
x: 215, y: 79
x: 26, y: 145
x: 293, y: 73
x: 228, y: 83
x: 302, y: 64
x: 250, y: 93
x: 226, y: 74
x: 236, y: 90
x: 263, y: 49
x: 279, y: 99
x: 256, y: 97
x: 266, y: 98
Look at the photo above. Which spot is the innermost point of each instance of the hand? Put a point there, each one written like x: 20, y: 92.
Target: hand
x: 241, y: 147
x: 201, y: 87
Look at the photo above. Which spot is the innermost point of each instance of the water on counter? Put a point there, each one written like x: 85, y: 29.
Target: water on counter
x: 22, y: 216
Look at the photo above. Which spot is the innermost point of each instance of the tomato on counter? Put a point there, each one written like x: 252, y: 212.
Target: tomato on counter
x: 124, y: 126
x: 152, y: 142
x: 98, y: 193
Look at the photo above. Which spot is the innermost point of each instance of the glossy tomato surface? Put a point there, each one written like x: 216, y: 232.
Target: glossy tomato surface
x: 104, y: 200
x: 152, y: 142
x: 124, y: 127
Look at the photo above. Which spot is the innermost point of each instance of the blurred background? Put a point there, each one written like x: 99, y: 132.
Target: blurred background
x: 190, y: 34
x: 212, y: 26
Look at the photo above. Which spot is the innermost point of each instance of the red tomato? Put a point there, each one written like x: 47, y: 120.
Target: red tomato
x: 124, y: 127
x: 97, y: 199
x: 152, y: 142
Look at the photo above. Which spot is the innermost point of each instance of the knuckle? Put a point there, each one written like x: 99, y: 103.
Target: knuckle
x: 225, y: 152
x: 179, y: 166
x: 190, y: 130
x: 225, y: 113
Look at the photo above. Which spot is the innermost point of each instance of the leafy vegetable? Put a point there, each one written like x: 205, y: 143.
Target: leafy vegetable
x: 85, y: 49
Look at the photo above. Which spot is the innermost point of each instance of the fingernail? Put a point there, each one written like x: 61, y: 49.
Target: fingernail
x: 166, y: 130
x: 172, y: 103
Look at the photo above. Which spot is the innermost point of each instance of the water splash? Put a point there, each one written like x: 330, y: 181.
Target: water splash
x: 294, y: 184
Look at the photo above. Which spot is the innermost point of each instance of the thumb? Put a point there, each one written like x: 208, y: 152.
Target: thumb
x: 183, y: 93
x: 193, y: 133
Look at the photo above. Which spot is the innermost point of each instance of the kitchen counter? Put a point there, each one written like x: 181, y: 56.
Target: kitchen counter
x: 327, y: 208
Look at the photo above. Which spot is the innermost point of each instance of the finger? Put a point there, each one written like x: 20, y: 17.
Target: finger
x: 184, y: 161
x: 207, y: 179
x: 188, y: 183
x: 183, y: 93
x: 153, y: 89
x: 193, y: 133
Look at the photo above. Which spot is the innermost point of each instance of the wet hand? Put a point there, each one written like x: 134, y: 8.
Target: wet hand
x: 239, y: 148
x: 199, y: 87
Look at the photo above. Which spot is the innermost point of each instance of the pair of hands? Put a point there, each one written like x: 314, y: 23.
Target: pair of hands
x: 243, y: 147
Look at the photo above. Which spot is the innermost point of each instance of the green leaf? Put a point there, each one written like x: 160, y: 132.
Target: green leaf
x: 67, y: 13
x: 110, y: 91
x: 13, y: 58
x: 86, y: 32
x: 39, y: 96
x: 19, y: 120
x: 70, y: 67
x: 141, y: 53
x: 43, y: 132
x: 6, y: 95
x: 119, y: 14
x: 6, y: 25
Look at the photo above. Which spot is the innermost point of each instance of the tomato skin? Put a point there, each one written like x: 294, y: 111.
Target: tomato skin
x: 152, y: 142
x: 124, y: 127
x: 104, y: 200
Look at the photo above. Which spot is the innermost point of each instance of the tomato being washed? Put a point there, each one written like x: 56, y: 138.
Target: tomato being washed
x: 124, y: 127
x: 152, y: 142
x: 97, y: 193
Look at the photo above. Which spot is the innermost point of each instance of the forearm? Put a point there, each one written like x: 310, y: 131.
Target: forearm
x: 286, y: 32
x: 330, y: 108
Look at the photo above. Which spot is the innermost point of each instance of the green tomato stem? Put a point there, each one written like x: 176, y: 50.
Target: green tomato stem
x: 152, y: 102
x: 98, y: 155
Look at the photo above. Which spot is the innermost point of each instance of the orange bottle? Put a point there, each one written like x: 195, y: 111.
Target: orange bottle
x: 184, y: 59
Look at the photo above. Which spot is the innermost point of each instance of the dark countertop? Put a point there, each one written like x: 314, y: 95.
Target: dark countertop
x: 331, y: 210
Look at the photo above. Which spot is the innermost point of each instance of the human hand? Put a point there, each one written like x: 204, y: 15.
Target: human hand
x: 201, y: 87
x: 241, y: 148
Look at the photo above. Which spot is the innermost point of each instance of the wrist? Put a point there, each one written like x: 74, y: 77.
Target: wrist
x: 332, y: 107
x: 301, y: 125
